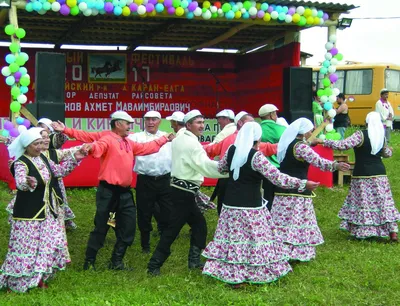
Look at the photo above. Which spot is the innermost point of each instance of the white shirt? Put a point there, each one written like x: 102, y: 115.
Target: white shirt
x: 190, y: 162
x: 154, y: 164
x: 228, y: 129
x: 180, y: 132
x: 384, y: 112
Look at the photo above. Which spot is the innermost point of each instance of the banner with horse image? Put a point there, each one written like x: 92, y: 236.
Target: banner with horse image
x: 107, y: 68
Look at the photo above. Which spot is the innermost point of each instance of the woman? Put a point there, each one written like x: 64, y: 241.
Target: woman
x: 369, y: 209
x: 342, y: 118
x: 245, y: 248
x: 56, y: 139
x: 292, y: 211
x: 37, y: 242
x: 317, y: 110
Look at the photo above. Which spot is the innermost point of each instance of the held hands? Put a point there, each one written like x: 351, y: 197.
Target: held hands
x: 31, y: 181
x: 342, y: 166
x: 170, y: 136
x: 83, y: 151
x: 58, y: 126
x: 310, y: 185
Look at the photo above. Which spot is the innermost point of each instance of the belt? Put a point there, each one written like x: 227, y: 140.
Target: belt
x: 156, y: 178
x: 184, y: 185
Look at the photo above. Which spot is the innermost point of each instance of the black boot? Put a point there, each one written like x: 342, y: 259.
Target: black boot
x: 145, y: 242
x: 90, y: 260
x: 194, y: 258
x: 155, y: 263
x: 118, y: 256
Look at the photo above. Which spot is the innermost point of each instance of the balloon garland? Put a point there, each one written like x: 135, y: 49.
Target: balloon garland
x: 301, y: 15
x: 18, y: 79
x: 328, y: 94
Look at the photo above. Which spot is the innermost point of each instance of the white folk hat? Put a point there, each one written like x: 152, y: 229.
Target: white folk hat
x: 176, y: 116
x: 121, y: 115
x: 191, y: 115
x: 239, y: 116
x: 152, y: 114
x: 226, y: 113
x: 266, y: 109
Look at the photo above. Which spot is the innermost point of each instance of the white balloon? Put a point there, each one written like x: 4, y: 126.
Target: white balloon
x: 274, y: 15
x: 5, y: 71
x: 213, y: 9
x: 22, y: 99
x: 328, y: 46
x: 28, y: 76
x: 145, y: 2
x: 21, y: 128
x: 314, y: 12
x: 336, y: 91
x: 288, y: 19
x: 332, y: 98
x: 332, y: 69
x: 324, y: 99
x: 328, y: 56
x: 87, y: 12
x: 300, y: 10
x: 321, y: 21
x: 243, y: 10
x: 252, y: 11
x: 83, y: 6
x: 220, y: 11
x: 129, y: 2
x: 329, y: 127
x: 55, y: 6
x: 206, y: 15
x: 197, y: 12
x: 141, y: 10
x: 322, y: 136
x: 42, y: 12
x: 334, y: 61
x: 239, y: 5
x: 332, y: 113
x: 95, y: 12
x: 332, y: 38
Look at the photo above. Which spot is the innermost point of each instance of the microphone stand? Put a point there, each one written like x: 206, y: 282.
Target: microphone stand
x: 217, y: 83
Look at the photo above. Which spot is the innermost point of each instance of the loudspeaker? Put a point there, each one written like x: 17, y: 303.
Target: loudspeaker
x: 297, y: 93
x: 50, y: 86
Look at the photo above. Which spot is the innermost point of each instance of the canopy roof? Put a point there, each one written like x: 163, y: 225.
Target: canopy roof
x: 160, y: 30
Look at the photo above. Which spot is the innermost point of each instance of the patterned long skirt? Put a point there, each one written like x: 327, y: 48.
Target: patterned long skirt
x: 369, y: 209
x: 68, y: 213
x: 36, y: 250
x: 245, y: 248
x: 296, y: 225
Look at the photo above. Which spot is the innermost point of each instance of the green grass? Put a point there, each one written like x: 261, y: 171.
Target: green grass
x: 345, y: 272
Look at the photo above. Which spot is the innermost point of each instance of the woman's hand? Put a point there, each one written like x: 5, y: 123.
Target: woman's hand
x: 310, y: 185
x: 31, y: 181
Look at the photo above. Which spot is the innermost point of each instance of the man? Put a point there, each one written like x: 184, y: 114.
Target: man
x: 177, y: 123
x: 226, y: 123
x: 189, y: 166
x: 219, y: 149
x: 113, y: 194
x: 342, y: 116
x: 384, y: 108
x: 154, y: 175
x: 271, y: 132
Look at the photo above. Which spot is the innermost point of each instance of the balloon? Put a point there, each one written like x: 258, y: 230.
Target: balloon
x: 300, y: 10
x: 327, y: 106
x: 55, y: 6
x: 5, y: 133
x: 336, y: 91
x: 332, y: 113
x: 179, y: 11
x: 14, y: 47
x: 206, y: 15
x: 296, y: 18
x: 15, y: 106
x: 13, y: 67
x: 288, y: 18
x: 5, y: 71
x: 9, y: 29
x: 150, y: 8
x: 197, y: 12
x: 83, y: 6
x: 252, y: 11
x: 334, y: 51
x: 328, y: 46
x: 320, y: 92
x: 22, y: 99
x: 328, y: 91
x: 332, y: 38
x: 334, y: 61
x: 10, y: 58
x: 307, y: 13
x: 332, y: 98
x: 333, y: 77
x: 64, y: 10
x: 274, y: 15
x: 332, y: 69
x: 20, y: 33
x: 160, y: 7
x: 329, y: 127
x: 24, y: 81
x: 117, y: 11
x: 24, y: 89
x: 15, y: 91
x: 324, y: 99
x: 10, y: 80
x: 19, y: 120
x: 207, y: 4
x: 339, y: 56
x: 323, y: 70
x: 27, y: 123
x: 22, y: 128
x: 14, y: 132
x: 326, y: 64
x: 267, y: 17
x: 264, y: 6
x: 8, y: 125
x: 322, y: 136
x: 328, y: 56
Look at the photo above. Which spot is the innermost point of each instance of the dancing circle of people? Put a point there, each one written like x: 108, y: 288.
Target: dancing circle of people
x: 258, y: 236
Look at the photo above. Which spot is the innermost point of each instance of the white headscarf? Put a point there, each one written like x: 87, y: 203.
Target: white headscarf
x: 17, y: 147
x: 282, y: 121
x: 250, y: 132
x: 299, y: 126
x: 376, y: 132
x: 47, y: 122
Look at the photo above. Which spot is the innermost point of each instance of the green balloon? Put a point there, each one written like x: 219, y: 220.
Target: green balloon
x: 247, y: 5
x: 20, y: 60
x: 302, y: 22
x: 10, y: 30
x: 15, y: 92
x: 15, y: 106
x: 14, y: 47
x: 328, y: 91
x: 13, y: 67
x: 326, y: 82
x: 320, y: 92
x: 20, y: 33
x: 214, y: 15
x: 24, y: 81
x: 226, y: 7
x: 176, y: 3
x: 204, y: 10
x: 74, y: 10
x: 339, y: 56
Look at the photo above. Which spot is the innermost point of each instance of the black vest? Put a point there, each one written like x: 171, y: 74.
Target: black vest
x: 31, y: 205
x: 55, y: 181
x: 366, y: 163
x: 246, y: 190
x: 341, y: 120
x: 293, y: 167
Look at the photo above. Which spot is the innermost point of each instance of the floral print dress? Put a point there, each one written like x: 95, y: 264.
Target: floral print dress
x: 294, y: 215
x: 36, y: 248
x: 369, y: 209
x: 245, y: 247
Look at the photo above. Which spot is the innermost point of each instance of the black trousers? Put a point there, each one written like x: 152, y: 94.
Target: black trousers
x: 125, y: 220
x: 269, y: 192
x: 150, y: 191
x: 222, y: 183
x: 184, y: 211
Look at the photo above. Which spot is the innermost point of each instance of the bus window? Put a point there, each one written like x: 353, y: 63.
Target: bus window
x: 340, y: 82
x: 315, y: 77
x: 359, y: 82
x: 392, y: 80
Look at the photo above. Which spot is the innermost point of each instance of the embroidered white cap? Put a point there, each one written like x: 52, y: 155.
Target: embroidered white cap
x: 121, y: 115
x: 239, y: 116
x: 47, y: 122
x: 266, y: 109
x: 384, y: 90
x: 176, y: 116
x: 152, y: 114
x: 191, y: 115
x: 226, y: 113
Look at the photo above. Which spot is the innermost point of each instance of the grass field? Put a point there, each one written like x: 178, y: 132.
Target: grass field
x: 345, y: 272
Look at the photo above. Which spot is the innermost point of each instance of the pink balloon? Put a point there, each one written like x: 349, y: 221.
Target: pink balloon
x: 133, y: 7
x: 333, y: 77
x: 109, y: 7
x: 8, y: 125
x: 334, y: 51
x: 325, y: 16
x: 192, y: 6
x: 17, y: 75
x: 149, y: 7
x: 171, y: 10
x: 27, y: 123
x: 168, y: 3
x: 270, y: 9
x: 260, y: 14
x: 14, y: 132
x: 154, y: 2
x: 291, y: 11
x: 64, y: 11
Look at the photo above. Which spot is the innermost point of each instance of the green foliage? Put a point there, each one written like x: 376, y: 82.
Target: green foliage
x: 345, y: 272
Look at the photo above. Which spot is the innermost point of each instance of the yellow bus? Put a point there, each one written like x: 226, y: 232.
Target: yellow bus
x: 361, y: 83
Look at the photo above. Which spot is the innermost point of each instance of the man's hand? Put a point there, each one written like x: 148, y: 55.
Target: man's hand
x: 310, y: 185
x: 170, y: 136
x: 58, y: 126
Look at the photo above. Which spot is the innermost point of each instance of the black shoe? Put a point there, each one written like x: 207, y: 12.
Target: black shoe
x: 89, y: 265
x: 119, y: 267
x: 155, y: 263
x: 154, y: 272
x: 145, y: 242
x: 194, y: 258
x: 146, y: 250
x: 117, y: 257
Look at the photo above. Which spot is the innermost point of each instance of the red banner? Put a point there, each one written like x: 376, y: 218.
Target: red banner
x: 99, y: 83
